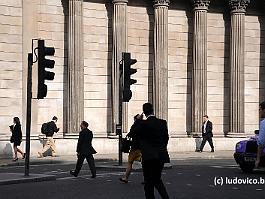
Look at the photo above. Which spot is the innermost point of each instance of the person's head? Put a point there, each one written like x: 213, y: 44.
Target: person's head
x: 148, y: 109
x: 138, y: 117
x: 16, y: 120
x: 54, y: 118
x: 205, y: 118
x: 262, y: 109
x: 83, y: 125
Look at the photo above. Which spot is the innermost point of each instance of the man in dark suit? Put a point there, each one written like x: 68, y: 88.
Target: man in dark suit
x: 85, y: 150
x: 154, y: 137
x: 207, y: 133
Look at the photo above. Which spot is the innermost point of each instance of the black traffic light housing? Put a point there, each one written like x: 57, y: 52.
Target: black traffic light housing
x: 127, y: 72
x: 42, y: 64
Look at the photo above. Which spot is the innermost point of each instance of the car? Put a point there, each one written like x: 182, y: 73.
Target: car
x: 246, y: 154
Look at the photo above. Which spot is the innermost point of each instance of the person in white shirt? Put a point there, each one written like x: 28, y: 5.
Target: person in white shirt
x: 207, y: 133
x: 261, y: 137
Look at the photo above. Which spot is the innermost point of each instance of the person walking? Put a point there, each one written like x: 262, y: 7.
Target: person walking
x: 135, y: 152
x: 16, y: 138
x: 153, y: 134
x: 85, y: 150
x: 207, y: 133
x: 261, y: 137
x: 50, y: 144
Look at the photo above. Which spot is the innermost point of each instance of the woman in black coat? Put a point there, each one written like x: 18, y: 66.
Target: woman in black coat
x: 16, y: 138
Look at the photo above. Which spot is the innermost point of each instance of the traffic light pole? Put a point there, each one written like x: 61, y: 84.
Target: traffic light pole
x: 120, y: 115
x: 28, y: 122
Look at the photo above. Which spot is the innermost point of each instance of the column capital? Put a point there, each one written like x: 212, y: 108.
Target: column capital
x: 238, y: 6
x: 201, y: 4
x: 161, y: 3
x: 120, y: 1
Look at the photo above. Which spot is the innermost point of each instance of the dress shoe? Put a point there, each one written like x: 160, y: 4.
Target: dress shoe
x: 123, y: 180
x: 72, y: 172
x: 212, y: 150
x: 15, y: 159
x: 24, y: 156
x: 93, y: 176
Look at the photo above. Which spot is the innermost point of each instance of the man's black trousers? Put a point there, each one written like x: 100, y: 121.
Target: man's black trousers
x: 90, y: 161
x: 207, y: 138
x: 152, y: 170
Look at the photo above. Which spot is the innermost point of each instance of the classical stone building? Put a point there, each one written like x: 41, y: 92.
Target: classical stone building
x: 195, y: 57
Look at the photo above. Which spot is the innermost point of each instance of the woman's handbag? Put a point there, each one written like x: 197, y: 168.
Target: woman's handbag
x: 126, y: 144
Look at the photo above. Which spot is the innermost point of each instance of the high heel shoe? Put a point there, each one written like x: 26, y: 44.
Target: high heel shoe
x: 14, y: 160
x: 24, y: 155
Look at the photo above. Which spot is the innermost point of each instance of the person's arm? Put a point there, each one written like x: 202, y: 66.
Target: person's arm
x: 259, y: 154
x: 79, y: 143
x: 132, y: 131
x: 260, y: 142
x: 166, y: 137
x: 210, y: 127
x: 55, y: 129
x: 20, y: 132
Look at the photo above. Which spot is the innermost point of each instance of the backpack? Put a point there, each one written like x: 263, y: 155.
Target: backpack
x: 45, y: 128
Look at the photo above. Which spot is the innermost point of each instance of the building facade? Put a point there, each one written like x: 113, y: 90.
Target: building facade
x: 193, y: 58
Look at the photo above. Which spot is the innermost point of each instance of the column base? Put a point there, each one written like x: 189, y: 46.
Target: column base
x: 194, y: 134
x: 236, y: 135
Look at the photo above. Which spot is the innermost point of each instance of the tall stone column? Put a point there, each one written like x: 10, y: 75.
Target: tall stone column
x: 199, y: 71
x: 237, y: 46
x: 75, y: 113
x: 160, y: 71
x: 119, y: 45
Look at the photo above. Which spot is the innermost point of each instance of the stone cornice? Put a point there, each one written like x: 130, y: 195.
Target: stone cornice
x: 201, y: 4
x: 238, y: 6
x: 161, y: 3
x: 120, y: 1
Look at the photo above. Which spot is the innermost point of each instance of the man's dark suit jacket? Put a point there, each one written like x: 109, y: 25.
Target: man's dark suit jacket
x: 208, y: 130
x: 84, y: 145
x: 154, y: 137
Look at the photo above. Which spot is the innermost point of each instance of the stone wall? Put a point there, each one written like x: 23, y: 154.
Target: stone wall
x: 253, y: 65
x: 10, y: 63
x: 97, y: 20
x: 179, y: 70
x: 140, y: 45
x: 52, y: 28
x: 218, y: 72
x: 97, y: 60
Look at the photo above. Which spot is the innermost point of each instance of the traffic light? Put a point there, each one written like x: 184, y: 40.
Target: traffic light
x: 42, y: 64
x: 127, y: 72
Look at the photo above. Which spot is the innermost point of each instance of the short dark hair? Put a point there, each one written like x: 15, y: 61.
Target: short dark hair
x: 84, y: 123
x: 206, y: 116
x: 135, y: 117
x: 262, y: 105
x: 148, y: 108
x: 16, y: 120
x: 54, y: 118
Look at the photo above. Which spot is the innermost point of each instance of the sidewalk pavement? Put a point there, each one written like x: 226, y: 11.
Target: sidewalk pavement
x: 103, y: 161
